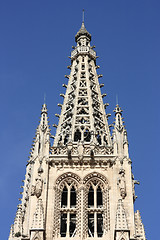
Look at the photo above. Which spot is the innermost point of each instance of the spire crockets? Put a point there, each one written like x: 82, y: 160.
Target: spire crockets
x: 120, y: 141
x: 83, y: 116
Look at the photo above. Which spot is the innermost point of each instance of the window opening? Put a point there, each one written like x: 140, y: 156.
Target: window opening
x: 66, y: 139
x: 64, y: 197
x: 99, y: 139
x: 83, y: 75
x: 72, y: 226
x: 82, y: 101
x: 83, y: 66
x: 119, y: 122
x: 73, y: 197
x: 77, y: 135
x: 105, y: 140
x: 82, y: 59
x: 95, y: 213
x: 83, y: 111
x: 39, y: 146
x: 99, y: 225
x: 91, y: 225
x: 91, y: 197
x: 99, y: 198
x: 63, y: 225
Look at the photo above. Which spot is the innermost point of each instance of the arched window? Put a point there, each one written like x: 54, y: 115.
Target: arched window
x: 95, y: 210
x: 68, y: 211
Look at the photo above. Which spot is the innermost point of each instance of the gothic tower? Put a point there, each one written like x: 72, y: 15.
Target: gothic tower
x: 82, y: 187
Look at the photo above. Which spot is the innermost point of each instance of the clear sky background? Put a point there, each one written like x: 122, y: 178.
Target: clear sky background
x: 35, y: 41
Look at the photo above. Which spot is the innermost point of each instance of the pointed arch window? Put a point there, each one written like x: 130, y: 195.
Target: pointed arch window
x: 95, y: 210
x: 68, y: 211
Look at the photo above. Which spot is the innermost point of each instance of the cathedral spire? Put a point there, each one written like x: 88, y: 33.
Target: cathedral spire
x: 83, y: 116
x: 81, y: 187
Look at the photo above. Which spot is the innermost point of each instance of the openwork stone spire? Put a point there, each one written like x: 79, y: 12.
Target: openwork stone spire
x: 83, y: 116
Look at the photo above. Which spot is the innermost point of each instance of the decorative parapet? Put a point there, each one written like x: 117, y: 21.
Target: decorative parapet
x: 98, y: 150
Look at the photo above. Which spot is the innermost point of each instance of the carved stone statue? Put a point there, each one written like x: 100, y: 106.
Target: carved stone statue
x: 80, y: 150
x: 122, y: 183
x: 38, y: 186
x: 37, y: 189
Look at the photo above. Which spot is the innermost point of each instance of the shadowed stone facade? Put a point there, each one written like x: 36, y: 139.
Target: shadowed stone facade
x: 82, y: 187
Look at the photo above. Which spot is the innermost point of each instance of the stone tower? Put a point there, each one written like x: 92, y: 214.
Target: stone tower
x: 82, y: 187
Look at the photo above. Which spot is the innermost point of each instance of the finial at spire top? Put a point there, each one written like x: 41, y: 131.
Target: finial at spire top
x: 83, y: 31
x: 83, y: 16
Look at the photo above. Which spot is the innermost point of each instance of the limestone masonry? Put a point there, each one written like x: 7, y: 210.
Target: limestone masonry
x: 82, y: 187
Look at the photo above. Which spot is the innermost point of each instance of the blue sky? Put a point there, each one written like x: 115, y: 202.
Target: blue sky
x: 35, y: 42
